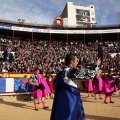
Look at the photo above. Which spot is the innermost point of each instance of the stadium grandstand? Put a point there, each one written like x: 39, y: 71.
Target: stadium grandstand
x: 24, y: 47
x: 28, y: 41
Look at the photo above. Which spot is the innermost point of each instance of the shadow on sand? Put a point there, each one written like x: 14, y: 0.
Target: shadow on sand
x: 14, y: 104
x: 20, y: 105
x: 93, y: 117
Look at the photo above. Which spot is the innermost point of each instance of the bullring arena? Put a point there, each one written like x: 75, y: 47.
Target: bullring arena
x: 16, y: 108
x: 23, y: 40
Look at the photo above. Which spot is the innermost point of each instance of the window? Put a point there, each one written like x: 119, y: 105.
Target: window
x: 77, y: 11
x: 93, y: 19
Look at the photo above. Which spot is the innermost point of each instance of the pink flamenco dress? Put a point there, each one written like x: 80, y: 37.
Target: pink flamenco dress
x: 98, y: 85
x: 109, y: 87
x: 46, y: 91
x: 40, y: 93
x: 89, y: 87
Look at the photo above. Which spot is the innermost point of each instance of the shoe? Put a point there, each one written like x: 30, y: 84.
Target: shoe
x: 38, y: 103
x: 111, y: 101
x: 46, y: 107
x: 36, y: 109
x: 105, y: 102
x: 95, y: 98
x: 100, y: 98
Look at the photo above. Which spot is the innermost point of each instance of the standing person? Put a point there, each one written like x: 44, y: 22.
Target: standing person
x: 109, y: 87
x: 50, y: 84
x: 47, y: 90
x: 100, y: 53
x: 89, y: 87
x: 97, y: 84
x: 67, y: 104
x: 5, y: 55
x: 10, y: 57
x: 38, y: 89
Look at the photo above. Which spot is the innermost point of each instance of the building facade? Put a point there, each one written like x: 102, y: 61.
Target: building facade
x: 76, y: 15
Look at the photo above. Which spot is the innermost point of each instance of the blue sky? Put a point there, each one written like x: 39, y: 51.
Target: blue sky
x: 44, y: 11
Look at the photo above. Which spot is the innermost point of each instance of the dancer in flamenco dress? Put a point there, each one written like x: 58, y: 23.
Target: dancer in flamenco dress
x: 109, y: 87
x: 39, y: 89
x: 89, y: 87
x: 97, y: 84
x: 47, y: 90
x: 50, y: 84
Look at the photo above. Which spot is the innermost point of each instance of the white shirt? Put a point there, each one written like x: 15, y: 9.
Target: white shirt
x: 68, y: 80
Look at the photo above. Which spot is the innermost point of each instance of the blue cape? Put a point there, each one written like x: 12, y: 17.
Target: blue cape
x: 67, y: 104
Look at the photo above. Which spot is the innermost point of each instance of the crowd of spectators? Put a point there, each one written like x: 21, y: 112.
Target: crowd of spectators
x: 24, y: 56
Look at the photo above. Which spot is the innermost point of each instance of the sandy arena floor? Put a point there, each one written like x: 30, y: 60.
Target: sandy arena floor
x: 19, y: 109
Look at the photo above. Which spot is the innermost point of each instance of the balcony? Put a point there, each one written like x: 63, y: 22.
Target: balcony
x: 82, y: 13
x: 83, y: 19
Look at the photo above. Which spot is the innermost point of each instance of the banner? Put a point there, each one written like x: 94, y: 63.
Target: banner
x: 22, y: 29
x: 57, y: 31
x: 19, y: 75
x: 15, y: 85
x: 14, y: 75
x: 5, y: 27
x: 21, y: 85
x: 6, y: 84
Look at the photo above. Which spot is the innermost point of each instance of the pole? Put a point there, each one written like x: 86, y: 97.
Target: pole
x: 50, y: 36
x: 84, y: 38
x: 101, y: 37
x: 118, y: 42
x: 13, y: 34
x: 67, y: 37
x: 118, y: 38
x: 32, y: 37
